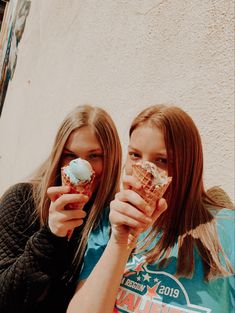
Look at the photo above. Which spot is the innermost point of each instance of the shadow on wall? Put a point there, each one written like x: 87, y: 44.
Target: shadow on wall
x: 12, y: 28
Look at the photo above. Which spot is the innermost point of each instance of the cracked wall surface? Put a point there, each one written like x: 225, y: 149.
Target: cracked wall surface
x: 123, y: 56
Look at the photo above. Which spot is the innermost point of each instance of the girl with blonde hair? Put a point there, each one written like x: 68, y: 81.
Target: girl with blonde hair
x: 183, y: 254
x: 38, y: 262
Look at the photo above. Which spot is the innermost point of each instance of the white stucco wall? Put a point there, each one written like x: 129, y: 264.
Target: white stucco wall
x: 122, y: 55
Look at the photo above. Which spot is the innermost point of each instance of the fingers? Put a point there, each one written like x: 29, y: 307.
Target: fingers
x: 61, y: 198
x: 68, y: 215
x: 65, y: 211
x: 63, y: 225
x: 118, y: 218
x: 130, y: 196
x: 130, y: 209
x: 72, y: 200
x: 55, y: 192
x: 126, y: 214
x: 62, y: 221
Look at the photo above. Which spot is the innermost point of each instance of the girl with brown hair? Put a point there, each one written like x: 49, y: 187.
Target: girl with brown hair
x: 182, y: 259
x: 38, y: 262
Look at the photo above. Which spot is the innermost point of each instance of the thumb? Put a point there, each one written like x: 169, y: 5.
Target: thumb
x: 161, y: 207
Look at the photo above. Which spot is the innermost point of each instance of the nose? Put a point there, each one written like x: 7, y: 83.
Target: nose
x: 146, y: 158
x: 83, y: 156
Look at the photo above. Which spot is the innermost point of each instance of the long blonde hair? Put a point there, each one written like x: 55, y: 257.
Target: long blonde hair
x: 49, y: 172
x: 188, y: 220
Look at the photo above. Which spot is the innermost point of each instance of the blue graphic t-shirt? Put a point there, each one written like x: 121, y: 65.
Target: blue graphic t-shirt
x: 146, y: 289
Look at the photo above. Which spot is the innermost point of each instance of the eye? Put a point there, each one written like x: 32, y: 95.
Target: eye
x: 162, y: 163
x: 67, y: 157
x: 94, y: 156
x: 134, y: 155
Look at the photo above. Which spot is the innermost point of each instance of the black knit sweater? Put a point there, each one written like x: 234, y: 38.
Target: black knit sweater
x: 32, y: 259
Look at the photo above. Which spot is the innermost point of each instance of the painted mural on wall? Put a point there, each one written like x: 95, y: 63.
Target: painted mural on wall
x: 12, y: 28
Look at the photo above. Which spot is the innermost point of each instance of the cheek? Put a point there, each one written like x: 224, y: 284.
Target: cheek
x: 65, y: 161
x: 128, y: 166
x: 98, y: 169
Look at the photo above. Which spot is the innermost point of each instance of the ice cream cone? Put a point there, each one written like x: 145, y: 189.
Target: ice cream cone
x: 154, y: 182
x: 79, y: 187
x: 79, y: 176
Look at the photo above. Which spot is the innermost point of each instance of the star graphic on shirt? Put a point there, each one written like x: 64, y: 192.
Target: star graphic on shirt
x: 152, y: 292
x: 139, y: 267
x: 146, y: 277
x: 135, y: 264
x: 138, y: 278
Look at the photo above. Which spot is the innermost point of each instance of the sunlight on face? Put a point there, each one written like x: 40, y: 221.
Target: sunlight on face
x: 146, y: 143
x: 83, y: 143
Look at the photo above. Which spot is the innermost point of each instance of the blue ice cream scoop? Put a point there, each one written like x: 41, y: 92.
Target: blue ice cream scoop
x: 79, y: 170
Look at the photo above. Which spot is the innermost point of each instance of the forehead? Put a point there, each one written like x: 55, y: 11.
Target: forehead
x: 83, y: 138
x: 148, y: 139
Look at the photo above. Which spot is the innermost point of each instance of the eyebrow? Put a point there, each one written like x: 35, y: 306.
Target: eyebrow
x: 132, y: 148
x: 163, y: 154
x: 90, y: 151
x: 96, y: 150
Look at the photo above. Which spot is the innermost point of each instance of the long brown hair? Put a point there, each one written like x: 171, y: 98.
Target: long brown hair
x: 49, y: 172
x: 188, y: 220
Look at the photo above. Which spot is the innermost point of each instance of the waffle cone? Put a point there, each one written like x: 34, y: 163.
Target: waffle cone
x: 82, y: 187
x: 150, y: 191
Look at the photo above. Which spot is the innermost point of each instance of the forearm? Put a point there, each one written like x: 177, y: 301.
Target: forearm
x: 30, y: 256
x: 99, y: 292
x: 25, y: 276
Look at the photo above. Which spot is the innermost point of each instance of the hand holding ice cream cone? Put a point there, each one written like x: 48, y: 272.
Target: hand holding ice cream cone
x: 154, y: 183
x: 65, y: 210
x: 79, y: 176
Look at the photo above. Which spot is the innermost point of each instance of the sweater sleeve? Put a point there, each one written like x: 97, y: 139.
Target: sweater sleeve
x: 31, y: 257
